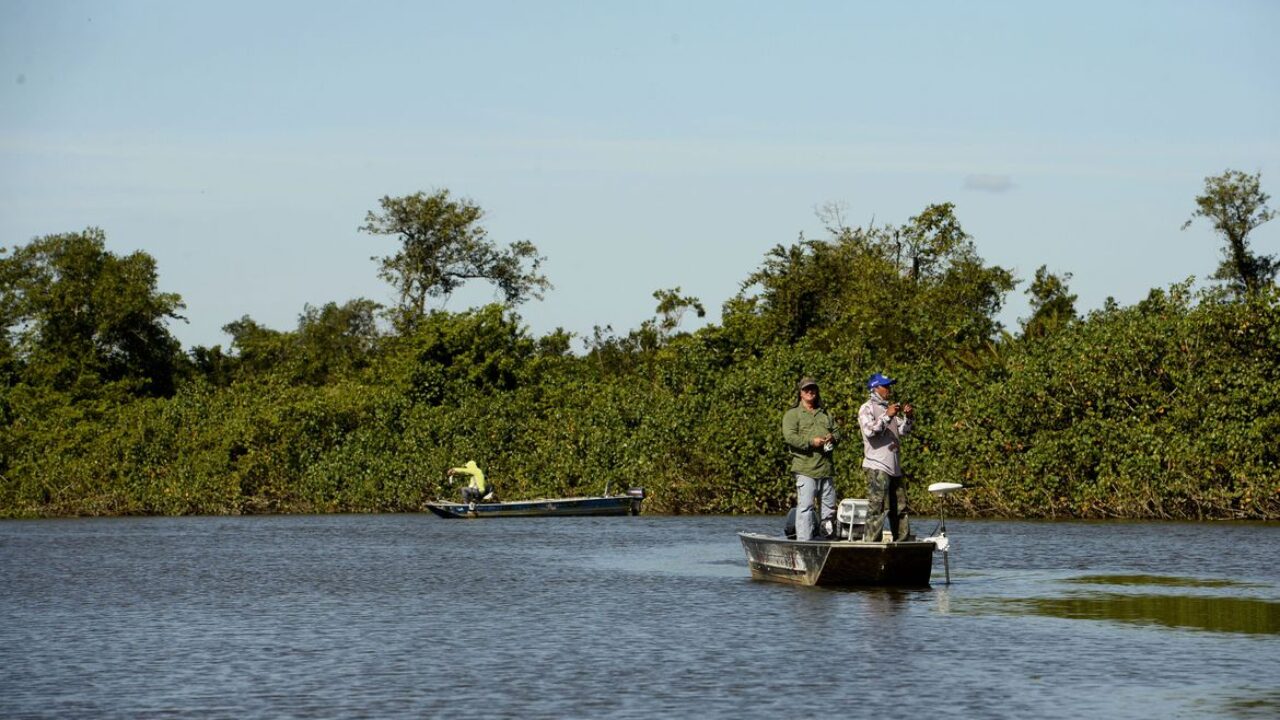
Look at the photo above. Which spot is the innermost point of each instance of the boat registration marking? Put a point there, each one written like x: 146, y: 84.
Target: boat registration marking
x: 786, y: 560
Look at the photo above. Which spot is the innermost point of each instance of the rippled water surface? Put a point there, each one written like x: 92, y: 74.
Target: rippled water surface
x: 413, y: 616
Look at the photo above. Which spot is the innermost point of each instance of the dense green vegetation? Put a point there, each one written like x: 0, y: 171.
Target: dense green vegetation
x: 1169, y: 408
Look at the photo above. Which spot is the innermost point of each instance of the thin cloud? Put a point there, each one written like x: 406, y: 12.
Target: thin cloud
x: 988, y: 183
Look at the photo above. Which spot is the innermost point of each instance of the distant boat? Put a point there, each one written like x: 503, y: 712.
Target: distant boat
x: 846, y: 560
x: 600, y: 505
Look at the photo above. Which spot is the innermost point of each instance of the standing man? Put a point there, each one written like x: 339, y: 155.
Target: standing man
x: 811, y: 435
x: 883, y: 424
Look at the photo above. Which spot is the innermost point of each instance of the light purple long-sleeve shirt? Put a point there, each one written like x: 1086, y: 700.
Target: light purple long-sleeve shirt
x: 881, y: 435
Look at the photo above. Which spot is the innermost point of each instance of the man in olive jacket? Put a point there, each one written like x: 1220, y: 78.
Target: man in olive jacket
x: 811, y: 435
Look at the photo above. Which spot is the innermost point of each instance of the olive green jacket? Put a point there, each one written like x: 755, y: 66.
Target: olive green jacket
x: 799, y: 428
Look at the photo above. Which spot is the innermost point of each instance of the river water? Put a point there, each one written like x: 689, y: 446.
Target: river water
x: 412, y: 616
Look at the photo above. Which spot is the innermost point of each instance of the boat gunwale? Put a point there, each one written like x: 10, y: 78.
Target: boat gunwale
x: 583, y: 506
x: 904, y: 544
x: 454, y: 503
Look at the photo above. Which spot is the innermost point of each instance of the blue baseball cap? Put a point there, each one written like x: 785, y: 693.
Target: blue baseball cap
x: 877, y: 380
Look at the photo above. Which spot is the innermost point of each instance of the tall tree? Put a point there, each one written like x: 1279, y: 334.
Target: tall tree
x: 1236, y: 205
x: 1052, y: 306
x: 672, y: 307
x: 653, y: 333
x: 957, y: 296
x: 931, y: 239
x: 903, y: 290
x: 442, y: 246
x: 77, y: 317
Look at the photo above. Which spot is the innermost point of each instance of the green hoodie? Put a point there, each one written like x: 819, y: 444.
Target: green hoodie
x: 799, y: 428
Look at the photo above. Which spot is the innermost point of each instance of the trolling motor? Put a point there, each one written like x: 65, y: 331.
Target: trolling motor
x: 939, y: 537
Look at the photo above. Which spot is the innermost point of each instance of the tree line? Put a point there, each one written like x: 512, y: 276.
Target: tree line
x: 1169, y: 408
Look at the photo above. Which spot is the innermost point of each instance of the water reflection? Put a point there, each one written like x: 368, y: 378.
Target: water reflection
x: 1262, y: 705
x: 880, y: 596
x: 1217, y: 614
x: 943, y: 600
x: 1161, y: 580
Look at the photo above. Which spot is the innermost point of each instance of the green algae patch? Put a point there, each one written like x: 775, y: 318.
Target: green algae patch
x: 1215, y: 614
x: 1157, y: 580
x: 1264, y: 704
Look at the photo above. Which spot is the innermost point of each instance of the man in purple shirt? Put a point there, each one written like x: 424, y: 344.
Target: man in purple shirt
x: 883, y: 424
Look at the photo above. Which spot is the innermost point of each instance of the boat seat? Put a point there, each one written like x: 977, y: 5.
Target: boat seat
x: 853, y: 511
x: 852, y: 517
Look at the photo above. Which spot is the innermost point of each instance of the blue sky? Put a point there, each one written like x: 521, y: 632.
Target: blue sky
x: 639, y: 145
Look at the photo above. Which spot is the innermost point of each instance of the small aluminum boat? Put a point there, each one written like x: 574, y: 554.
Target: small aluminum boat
x: 846, y: 560
x: 838, y: 563
x: 601, y: 505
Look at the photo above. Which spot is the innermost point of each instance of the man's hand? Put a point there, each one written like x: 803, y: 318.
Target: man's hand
x: 891, y: 410
x: 818, y: 442
x: 908, y: 410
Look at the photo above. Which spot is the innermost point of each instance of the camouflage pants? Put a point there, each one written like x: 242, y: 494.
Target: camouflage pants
x: 886, y: 495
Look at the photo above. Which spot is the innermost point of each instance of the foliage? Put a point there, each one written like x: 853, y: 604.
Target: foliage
x: 442, y: 246
x: 1163, y: 409
x: 895, y: 292
x: 1051, y: 305
x: 1236, y: 205
x: 652, y: 334
x: 1169, y: 408
x: 452, y: 356
x: 82, y: 320
x: 331, y: 343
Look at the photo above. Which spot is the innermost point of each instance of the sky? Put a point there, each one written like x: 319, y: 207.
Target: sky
x: 639, y: 145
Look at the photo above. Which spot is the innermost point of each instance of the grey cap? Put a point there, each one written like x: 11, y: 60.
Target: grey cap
x: 806, y: 382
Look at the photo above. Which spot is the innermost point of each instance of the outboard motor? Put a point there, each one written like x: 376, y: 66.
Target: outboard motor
x: 637, y: 495
x: 790, y: 529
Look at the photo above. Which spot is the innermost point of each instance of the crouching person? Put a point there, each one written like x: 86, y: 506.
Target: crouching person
x: 478, y: 488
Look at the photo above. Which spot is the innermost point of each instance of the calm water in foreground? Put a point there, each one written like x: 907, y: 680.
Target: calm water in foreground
x: 413, y: 616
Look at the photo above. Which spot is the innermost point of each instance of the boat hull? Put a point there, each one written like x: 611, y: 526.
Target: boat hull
x: 550, y: 507
x: 838, y: 563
